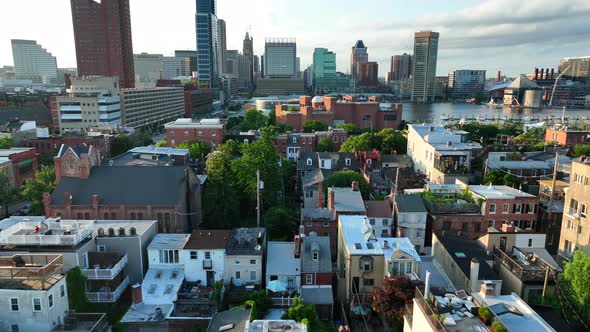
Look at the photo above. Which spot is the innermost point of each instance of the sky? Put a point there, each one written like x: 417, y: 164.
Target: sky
x: 507, y: 35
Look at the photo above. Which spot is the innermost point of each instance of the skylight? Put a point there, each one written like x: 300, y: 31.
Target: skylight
x: 460, y: 254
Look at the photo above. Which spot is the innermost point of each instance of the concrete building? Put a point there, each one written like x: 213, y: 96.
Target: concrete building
x: 244, y: 254
x: 248, y: 51
x: 222, y: 45
x: 210, y: 131
x: 279, y: 86
x: 207, y: 42
x: 364, y: 260
x: 33, y: 62
x: 467, y: 83
x: 151, y: 156
x: 279, y: 58
x: 358, y: 54
x: 91, y: 101
x: 33, y: 292
x: 443, y: 155
x: 203, y: 256
x: 174, y: 67
x: 367, y: 73
x: 191, y: 55
x: 424, y: 66
x: 329, y: 110
x: 410, y: 218
x: 153, y: 106
x: 20, y: 164
x: 99, y: 27
x: 401, y: 67
x: 148, y: 69
x: 575, y: 231
x: 324, y: 77
x: 523, y: 92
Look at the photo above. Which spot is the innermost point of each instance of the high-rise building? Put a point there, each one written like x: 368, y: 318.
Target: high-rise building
x: 467, y: 83
x: 357, y: 54
x: 175, y: 67
x: 280, y: 58
x: 148, y: 69
x: 244, y: 71
x: 192, y: 55
x: 401, y: 67
x: 102, y: 33
x: 207, y: 41
x: 424, y: 66
x: 231, y: 62
x: 248, y: 51
x: 33, y: 62
x: 367, y: 73
x: 222, y: 46
x: 323, y: 75
x: 576, y: 68
x: 256, y: 66
x: 575, y: 231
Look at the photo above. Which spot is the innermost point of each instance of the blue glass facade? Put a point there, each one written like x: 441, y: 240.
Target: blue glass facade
x: 207, y: 43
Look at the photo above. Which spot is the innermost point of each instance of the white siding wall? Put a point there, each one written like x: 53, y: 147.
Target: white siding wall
x: 193, y: 268
x: 243, y: 265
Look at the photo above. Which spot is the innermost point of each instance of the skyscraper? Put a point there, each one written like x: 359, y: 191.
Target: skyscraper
x: 358, y: 54
x: 192, y: 55
x: 33, y: 62
x: 424, y: 67
x: 248, y: 51
x: 401, y: 67
x: 367, y: 73
x: 222, y: 46
x: 207, y: 42
x: 102, y: 34
x: 279, y: 58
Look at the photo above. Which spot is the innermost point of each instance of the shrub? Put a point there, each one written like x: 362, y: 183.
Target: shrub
x: 498, y: 327
x: 485, y: 314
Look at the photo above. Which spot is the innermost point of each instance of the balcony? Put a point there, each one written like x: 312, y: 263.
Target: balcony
x: 51, y: 232
x: 108, y: 296
x: 451, y: 164
x: 573, y: 213
x: 207, y: 264
x: 30, y: 266
x: 84, y: 322
x: 106, y: 265
x: 533, y: 270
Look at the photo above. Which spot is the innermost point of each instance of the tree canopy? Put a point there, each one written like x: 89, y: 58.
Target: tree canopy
x: 310, y: 126
x: 6, y: 142
x: 197, y: 149
x: 502, y: 177
x: 391, y: 298
x: 577, y: 277
x: 280, y: 223
x: 387, y: 141
x: 33, y: 189
x: 8, y: 193
x: 253, y: 120
x: 325, y: 144
x: 345, y: 178
x: 221, y: 194
x: 581, y: 150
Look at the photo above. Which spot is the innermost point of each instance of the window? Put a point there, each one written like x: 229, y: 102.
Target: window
x: 531, y: 208
x: 492, y: 208
x: 36, y: 304
x: 14, y: 328
x: 62, y: 290
x: 252, y: 275
x: 308, y: 279
x: 194, y: 255
x: 309, y: 161
x: 385, y: 222
x: 583, y: 210
x: 315, y: 256
x: 237, y: 262
x: 50, y: 300
x: 101, y: 248
x: 294, y: 139
x: 517, y: 208
x: 368, y: 282
x: 323, y: 164
x: 325, y: 224
x: 14, y: 304
x: 477, y: 227
x: 168, y: 256
x: 465, y: 227
x: 186, y: 133
x: 238, y: 275
x: 491, y: 223
x: 579, y: 229
x: 530, y: 242
x: 207, y: 255
x: 372, y: 221
x: 568, y: 246
x: 347, y: 161
x: 573, y: 206
x: 252, y: 261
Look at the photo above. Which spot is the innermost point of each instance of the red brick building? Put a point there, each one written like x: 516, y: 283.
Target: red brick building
x: 506, y: 205
x: 459, y: 217
x: 85, y: 190
x: 210, y: 131
x: 24, y: 163
x: 367, y: 73
x: 364, y: 114
x: 566, y: 137
x: 196, y: 99
x: 292, y: 144
x: 51, y: 145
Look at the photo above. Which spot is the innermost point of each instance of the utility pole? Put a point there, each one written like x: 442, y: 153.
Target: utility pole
x: 545, y: 284
x: 553, y: 186
x: 257, y: 198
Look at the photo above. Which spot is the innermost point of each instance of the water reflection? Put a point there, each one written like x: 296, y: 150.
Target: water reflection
x: 432, y: 112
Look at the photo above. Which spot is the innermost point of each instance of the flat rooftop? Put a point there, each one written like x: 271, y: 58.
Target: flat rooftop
x: 161, y: 285
x: 498, y: 192
x: 203, y: 123
x: 280, y: 259
x: 50, y: 231
x: 169, y: 241
x: 141, y: 226
x: 345, y: 199
x: 275, y: 325
x: 145, y: 313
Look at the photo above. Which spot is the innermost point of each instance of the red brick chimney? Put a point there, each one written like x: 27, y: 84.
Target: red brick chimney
x: 507, y: 228
x: 47, y: 204
x: 68, y: 198
x: 95, y: 201
x: 320, y: 195
x: 331, y: 198
x: 58, y: 170
x: 355, y: 185
x: 136, y: 297
x: 297, y: 246
x: 85, y: 166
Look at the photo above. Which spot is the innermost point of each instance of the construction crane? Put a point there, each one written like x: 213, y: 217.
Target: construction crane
x: 555, y: 84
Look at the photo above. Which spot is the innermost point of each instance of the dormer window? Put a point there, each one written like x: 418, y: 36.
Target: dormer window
x: 294, y: 139
x: 369, y: 161
x: 347, y: 161
x: 315, y: 256
x: 309, y: 162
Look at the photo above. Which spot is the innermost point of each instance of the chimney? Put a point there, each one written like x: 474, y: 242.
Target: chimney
x: 507, y: 228
x: 320, y: 195
x: 474, y: 275
x: 499, y: 76
x: 136, y: 297
x: 536, y: 74
x: 427, y: 285
x: 297, y: 246
x: 541, y: 73
x: 552, y: 72
x: 331, y: 198
x: 487, y: 289
x: 68, y: 198
x: 57, y: 167
x: 95, y: 201
x: 47, y: 204
x: 546, y: 73
x: 355, y: 185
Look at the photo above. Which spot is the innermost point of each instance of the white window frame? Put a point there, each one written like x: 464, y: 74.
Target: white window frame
x: 194, y: 254
x: 207, y: 255
x: 238, y: 274
x: 583, y: 210
x: 309, y: 279
x: 492, y: 208
x: 40, y: 306
x: 506, y: 208
x: 315, y: 256
x: 253, y: 275
x: 347, y: 161
x: 17, y: 304
x: 309, y: 162
x: 50, y: 301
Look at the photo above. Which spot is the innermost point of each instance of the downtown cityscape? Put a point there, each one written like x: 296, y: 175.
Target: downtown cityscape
x: 215, y: 165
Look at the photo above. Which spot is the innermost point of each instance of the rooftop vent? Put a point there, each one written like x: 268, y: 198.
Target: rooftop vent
x: 111, y: 231
x: 121, y: 231
x: 100, y: 232
x: 132, y: 231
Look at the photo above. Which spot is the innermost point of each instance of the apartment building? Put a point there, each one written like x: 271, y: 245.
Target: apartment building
x: 410, y: 217
x: 575, y: 229
x: 506, y: 205
x: 210, y: 131
x: 151, y: 106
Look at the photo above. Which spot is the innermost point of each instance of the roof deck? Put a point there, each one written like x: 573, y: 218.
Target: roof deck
x: 30, y: 271
x: 526, y: 263
x: 50, y: 232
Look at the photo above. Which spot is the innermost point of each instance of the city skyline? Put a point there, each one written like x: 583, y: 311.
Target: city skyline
x: 473, y: 34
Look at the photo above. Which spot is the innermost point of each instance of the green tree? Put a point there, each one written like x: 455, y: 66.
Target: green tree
x: 577, y: 278
x: 392, y: 141
x: 33, y: 189
x: 349, y: 127
x: 531, y: 136
x: 221, y: 196
x: 234, y: 122
x: 6, y: 142
x: 581, y: 150
x: 345, y: 178
x: 121, y: 144
x: 197, y: 149
x: 502, y: 177
x: 477, y: 131
x: 325, y: 145
x: 280, y: 223
x: 253, y: 120
x: 260, y: 302
x: 363, y: 142
x: 260, y: 155
x: 162, y: 143
x: 8, y: 193
x: 76, y: 283
x: 230, y: 146
x: 313, y: 125
x: 46, y: 159
x: 272, y: 118
x: 300, y: 311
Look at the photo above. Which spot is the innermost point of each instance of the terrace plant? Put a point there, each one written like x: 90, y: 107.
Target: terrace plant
x: 485, y: 315
x: 497, y: 326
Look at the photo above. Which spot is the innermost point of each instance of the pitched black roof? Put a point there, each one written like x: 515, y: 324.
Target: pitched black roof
x: 128, y: 185
x: 245, y: 241
x: 454, y: 243
x: 410, y: 203
x: 78, y: 149
x: 359, y: 44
